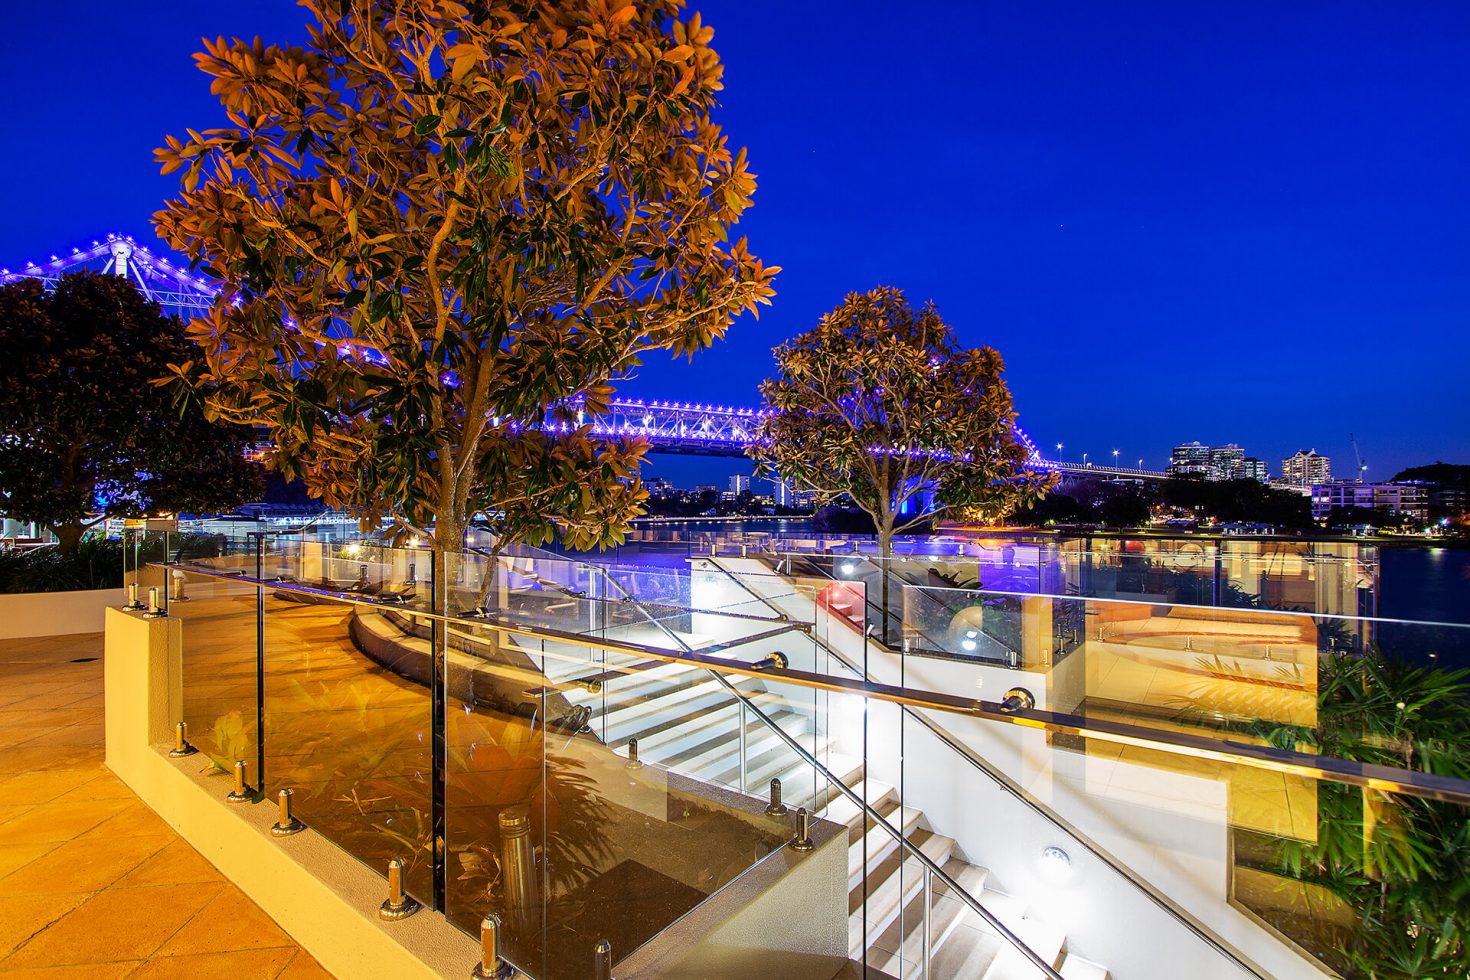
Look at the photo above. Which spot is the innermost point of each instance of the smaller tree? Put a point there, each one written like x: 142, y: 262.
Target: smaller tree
x: 85, y: 433
x: 881, y: 403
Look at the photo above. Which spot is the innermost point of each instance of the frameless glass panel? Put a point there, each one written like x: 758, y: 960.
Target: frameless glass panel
x: 351, y: 566
x: 1275, y: 863
x: 550, y: 826
x: 348, y: 721
x: 217, y: 606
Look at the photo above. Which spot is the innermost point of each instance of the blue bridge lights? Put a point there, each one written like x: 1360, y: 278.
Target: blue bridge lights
x: 671, y: 426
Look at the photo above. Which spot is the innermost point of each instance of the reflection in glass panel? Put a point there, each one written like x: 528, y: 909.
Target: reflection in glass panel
x: 347, y: 716
x: 550, y: 825
x: 219, y: 631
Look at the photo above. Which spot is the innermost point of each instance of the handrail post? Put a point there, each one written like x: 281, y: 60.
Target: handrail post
x: 742, y: 746
x: 928, y: 919
x: 602, y: 961
x: 260, y: 727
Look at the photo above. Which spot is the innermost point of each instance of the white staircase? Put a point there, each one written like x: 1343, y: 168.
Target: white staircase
x: 688, y: 722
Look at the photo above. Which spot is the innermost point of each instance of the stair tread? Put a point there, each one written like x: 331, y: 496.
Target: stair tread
x: 872, y: 847
x: 1076, y: 968
x: 947, y: 926
x: 844, y: 810
x: 685, y: 720
x: 895, y: 890
x: 1046, y: 941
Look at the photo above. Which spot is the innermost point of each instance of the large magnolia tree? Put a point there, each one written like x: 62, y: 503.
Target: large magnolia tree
x: 880, y: 403
x: 438, y: 223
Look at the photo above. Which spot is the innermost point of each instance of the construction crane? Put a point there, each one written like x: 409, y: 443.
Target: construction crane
x: 1362, y: 466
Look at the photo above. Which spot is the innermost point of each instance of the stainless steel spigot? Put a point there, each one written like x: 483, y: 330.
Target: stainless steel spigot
x: 286, y: 824
x: 399, y: 904
x: 181, y: 742
x: 491, y: 966
x: 802, y: 841
x: 241, y: 793
x: 776, y: 808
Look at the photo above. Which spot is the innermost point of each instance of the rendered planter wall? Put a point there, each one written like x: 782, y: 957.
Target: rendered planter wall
x: 55, y: 613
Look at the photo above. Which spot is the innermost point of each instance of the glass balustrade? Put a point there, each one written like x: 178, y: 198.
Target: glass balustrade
x: 993, y: 779
x: 212, y: 587
x: 347, y: 700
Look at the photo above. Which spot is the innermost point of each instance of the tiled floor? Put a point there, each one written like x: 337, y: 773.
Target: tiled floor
x: 92, y: 883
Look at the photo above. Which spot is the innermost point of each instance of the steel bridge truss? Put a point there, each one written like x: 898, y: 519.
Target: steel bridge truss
x: 671, y: 426
x: 175, y: 288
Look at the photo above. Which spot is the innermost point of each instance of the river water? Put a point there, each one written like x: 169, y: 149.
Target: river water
x: 1425, y: 583
x: 1431, y: 585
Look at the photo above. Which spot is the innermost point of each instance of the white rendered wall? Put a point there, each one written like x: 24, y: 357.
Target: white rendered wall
x: 55, y: 613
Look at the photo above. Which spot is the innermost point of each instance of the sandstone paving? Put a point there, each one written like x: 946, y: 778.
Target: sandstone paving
x: 92, y: 882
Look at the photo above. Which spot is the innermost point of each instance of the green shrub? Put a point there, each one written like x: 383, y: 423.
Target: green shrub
x: 96, y: 564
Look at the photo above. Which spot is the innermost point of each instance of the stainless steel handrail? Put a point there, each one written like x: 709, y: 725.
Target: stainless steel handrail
x: 868, y: 812
x: 1026, y: 799
x: 1223, y: 610
x: 1382, y: 778
x: 929, y: 864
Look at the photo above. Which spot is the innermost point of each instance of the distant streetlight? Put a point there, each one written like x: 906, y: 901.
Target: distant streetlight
x: 1140, y: 464
x: 1084, y: 459
x: 1115, y: 457
x: 1059, y: 450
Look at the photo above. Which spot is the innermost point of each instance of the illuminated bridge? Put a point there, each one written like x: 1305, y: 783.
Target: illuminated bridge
x: 671, y: 426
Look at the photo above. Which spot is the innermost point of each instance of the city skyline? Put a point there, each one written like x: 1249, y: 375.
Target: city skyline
x: 1122, y: 256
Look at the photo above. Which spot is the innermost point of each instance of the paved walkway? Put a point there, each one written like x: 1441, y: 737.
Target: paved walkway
x: 92, y: 883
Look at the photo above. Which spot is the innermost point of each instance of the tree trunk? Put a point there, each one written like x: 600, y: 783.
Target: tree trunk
x: 68, y: 536
x: 448, y: 545
x: 885, y: 554
x: 491, y: 577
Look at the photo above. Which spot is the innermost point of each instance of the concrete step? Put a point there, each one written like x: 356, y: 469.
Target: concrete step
x: 889, y: 889
x: 670, y: 724
x: 657, y: 707
x: 1076, y: 968
x: 1043, y: 939
x: 717, y: 759
x: 871, y: 849
x: 900, y: 949
x: 802, y: 786
x: 843, y: 810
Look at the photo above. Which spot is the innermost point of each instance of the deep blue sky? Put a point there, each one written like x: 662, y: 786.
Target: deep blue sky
x: 1229, y: 222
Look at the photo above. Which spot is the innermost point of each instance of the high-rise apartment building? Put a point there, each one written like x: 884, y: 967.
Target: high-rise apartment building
x: 1190, y: 458
x: 739, y: 483
x: 1227, y: 462
x: 1306, y: 469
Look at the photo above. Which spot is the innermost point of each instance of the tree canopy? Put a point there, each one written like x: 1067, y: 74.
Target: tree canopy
x: 1441, y: 473
x: 880, y: 402
x: 439, y: 222
x: 1239, y: 500
x: 84, y: 432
